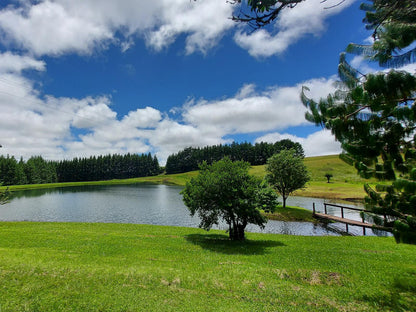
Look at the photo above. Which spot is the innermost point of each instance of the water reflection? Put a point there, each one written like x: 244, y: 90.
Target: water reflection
x: 142, y: 204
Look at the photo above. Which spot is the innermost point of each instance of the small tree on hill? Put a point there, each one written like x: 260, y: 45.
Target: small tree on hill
x: 328, y: 176
x: 225, y: 190
x: 287, y: 173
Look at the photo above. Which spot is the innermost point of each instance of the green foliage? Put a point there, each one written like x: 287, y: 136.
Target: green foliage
x: 39, y: 171
x: 287, y: 173
x: 266, y: 198
x: 374, y: 115
x: 107, y: 167
x: 224, y: 191
x: 190, y: 158
x: 394, y: 29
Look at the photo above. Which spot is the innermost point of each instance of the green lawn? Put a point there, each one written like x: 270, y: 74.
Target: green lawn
x: 119, y: 267
x: 291, y: 214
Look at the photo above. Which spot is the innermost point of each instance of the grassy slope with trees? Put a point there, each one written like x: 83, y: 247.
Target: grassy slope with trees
x: 127, y: 267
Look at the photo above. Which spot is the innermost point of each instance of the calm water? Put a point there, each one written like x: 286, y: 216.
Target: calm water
x: 141, y: 204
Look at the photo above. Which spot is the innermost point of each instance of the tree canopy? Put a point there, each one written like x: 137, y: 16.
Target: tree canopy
x: 287, y: 173
x: 225, y: 191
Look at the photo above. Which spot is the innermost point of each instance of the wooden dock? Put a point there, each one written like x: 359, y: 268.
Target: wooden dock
x: 348, y: 222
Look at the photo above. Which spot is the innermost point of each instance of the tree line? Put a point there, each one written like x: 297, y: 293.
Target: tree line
x: 190, y: 158
x: 39, y: 171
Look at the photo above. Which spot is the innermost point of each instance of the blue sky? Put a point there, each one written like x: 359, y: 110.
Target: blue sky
x: 89, y: 77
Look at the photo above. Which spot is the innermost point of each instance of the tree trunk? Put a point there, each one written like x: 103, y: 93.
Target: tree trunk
x: 237, y: 232
x: 284, y: 201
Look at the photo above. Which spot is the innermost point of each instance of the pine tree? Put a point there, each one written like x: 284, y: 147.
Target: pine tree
x: 374, y: 115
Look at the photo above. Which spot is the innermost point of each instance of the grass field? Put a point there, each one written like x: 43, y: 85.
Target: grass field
x: 119, y: 267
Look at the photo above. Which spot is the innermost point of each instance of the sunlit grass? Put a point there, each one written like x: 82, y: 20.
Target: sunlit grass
x: 119, y: 267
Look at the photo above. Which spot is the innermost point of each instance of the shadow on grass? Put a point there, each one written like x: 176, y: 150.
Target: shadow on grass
x: 222, y: 244
x: 401, y: 296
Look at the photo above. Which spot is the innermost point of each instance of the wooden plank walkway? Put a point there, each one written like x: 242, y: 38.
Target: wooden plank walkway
x: 348, y: 222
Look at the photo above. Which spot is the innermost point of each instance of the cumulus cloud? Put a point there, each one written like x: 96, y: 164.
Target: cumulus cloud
x: 49, y: 28
x: 316, y: 144
x: 62, y: 26
x: 13, y: 63
x: 308, y: 18
x: 56, y: 27
x: 248, y: 112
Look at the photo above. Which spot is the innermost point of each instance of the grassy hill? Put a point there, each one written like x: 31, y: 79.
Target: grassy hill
x: 345, y: 184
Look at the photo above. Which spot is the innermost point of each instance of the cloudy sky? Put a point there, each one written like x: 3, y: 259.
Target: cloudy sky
x: 92, y: 77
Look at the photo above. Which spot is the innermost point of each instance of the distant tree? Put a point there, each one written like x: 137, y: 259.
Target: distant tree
x: 287, y: 173
x: 328, y: 176
x: 224, y: 191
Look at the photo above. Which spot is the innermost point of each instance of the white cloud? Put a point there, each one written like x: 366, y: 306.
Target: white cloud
x: 49, y: 28
x: 96, y: 114
x: 316, y: 144
x: 248, y: 112
x: 308, y: 18
x: 13, y: 63
x: 204, y: 22
x: 62, y: 26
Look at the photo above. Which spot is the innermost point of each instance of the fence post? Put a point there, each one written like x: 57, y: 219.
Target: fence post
x: 325, y: 208
x: 342, y: 213
x: 313, y: 208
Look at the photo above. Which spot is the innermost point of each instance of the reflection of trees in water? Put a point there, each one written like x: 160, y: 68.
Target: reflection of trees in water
x: 57, y: 190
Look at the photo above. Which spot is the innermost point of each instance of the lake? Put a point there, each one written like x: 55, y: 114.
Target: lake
x: 142, y: 204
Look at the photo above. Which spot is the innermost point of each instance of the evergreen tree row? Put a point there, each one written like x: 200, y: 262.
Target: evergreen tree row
x: 257, y: 154
x: 38, y: 171
x: 107, y: 168
x: 35, y: 171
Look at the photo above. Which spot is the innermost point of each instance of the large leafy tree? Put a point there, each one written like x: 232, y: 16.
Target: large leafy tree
x: 287, y: 173
x: 225, y: 191
x: 374, y: 115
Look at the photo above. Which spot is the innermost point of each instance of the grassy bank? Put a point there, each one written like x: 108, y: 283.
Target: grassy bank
x: 345, y: 184
x: 115, y: 267
x: 290, y: 214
